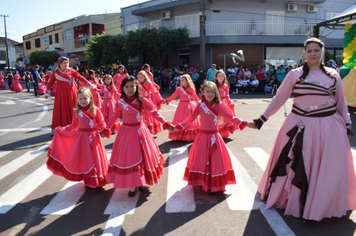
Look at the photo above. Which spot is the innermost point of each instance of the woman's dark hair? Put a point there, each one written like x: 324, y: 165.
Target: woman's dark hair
x: 306, y: 66
x: 134, y: 80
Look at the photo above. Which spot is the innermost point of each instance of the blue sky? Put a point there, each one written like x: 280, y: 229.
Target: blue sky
x: 28, y: 16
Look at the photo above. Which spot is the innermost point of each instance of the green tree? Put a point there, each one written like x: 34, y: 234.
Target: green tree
x: 104, y: 50
x: 156, y: 43
x: 44, y: 58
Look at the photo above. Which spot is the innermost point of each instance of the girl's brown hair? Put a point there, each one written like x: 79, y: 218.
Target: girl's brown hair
x: 306, y: 66
x: 216, y: 78
x: 86, y: 92
x: 134, y: 80
x: 212, y: 85
x: 111, y: 80
x: 142, y: 72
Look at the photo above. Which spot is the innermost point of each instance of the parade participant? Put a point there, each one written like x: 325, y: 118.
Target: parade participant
x: 209, y: 163
x: 118, y: 77
x: 9, y: 78
x: 16, y: 85
x: 221, y: 82
x: 66, y: 92
x: 155, y: 98
x: 27, y: 80
x: 42, y: 85
x: 310, y: 172
x: 77, y: 152
x: 148, y: 90
x: 136, y: 159
x: 185, y: 108
x: 108, y: 105
x: 2, y: 82
x: 94, y: 90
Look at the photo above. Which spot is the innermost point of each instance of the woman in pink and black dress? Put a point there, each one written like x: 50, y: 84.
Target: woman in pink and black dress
x: 226, y: 128
x: 77, y: 152
x: 136, y: 159
x: 310, y: 172
x: 185, y: 108
x: 148, y: 90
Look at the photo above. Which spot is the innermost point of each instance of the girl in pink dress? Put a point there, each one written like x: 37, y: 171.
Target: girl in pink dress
x: 77, y: 152
x: 157, y: 100
x: 209, y: 163
x: 118, y: 78
x: 135, y: 159
x: 221, y: 82
x: 148, y: 90
x: 108, y: 105
x: 2, y: 82
x: 42, y: 87
x: 185, y: 108
x: 310, y: 172
x: 16, y: 85
x: 94, y: 90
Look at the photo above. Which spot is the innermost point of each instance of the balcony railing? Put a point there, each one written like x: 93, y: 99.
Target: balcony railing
x: 251, y: 28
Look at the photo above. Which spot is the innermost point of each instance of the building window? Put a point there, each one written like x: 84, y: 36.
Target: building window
x: 68, y: 34
x: 2, y: 55
x: 37, y: 43
x: 56, y: 38
x: 155, y: 24
x: 330, y: 15
x: 28, y: 45
x: 132, y: 27
x: 191, y: 22
x: 97, y: 30
x: 50, y: 40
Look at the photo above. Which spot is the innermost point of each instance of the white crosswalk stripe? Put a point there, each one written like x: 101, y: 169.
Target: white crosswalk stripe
x: 258, y: 155
x: 180, y: 196
x: 4, y: 153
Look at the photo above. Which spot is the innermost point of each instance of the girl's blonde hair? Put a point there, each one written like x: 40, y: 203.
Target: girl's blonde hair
x: 142, y: 72
x: 212, y: 85
x: 86, y: 92
x: 189, y: 80
x: 111, y: 80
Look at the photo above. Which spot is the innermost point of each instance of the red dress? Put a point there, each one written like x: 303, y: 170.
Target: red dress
x: 117, y: 79
x: 184, y: 109
x: 136, y: 159
x: 16, y: 85
x: 146, y: 90
x: 109, y: 104
x: 209, y: 164
x: 66, y: 95
x: 77, y: 152
x: 2, y: 82
x: 42, y: 87
x: 227, y: 127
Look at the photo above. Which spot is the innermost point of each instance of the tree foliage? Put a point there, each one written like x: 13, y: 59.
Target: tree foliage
x: 44, y: 58
x: 104, y: 50
x: 156, y: 43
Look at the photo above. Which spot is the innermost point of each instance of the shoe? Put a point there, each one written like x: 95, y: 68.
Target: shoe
x: 131, y: 194
x: 99, y: 189
x: 37, y: 96
x: 87, y: 188
x: 141, y: 188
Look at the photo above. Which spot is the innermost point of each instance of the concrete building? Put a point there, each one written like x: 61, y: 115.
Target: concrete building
x: 11, y: 52
x: 79, y: 30
x: 266, y: 30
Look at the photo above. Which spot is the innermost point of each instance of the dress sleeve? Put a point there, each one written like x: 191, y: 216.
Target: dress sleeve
x: 51, y: 81
x: 100, y: 120
x: 150, y: 108
x: 194, y: 96
x: 283, y: 93
x: 173, y: 96
x: 115, y: 116
x: 155, y: 91
x: 80, y: 78
x: 341, y: 106
x: 189, y: 119
x: 230, y: 104
x: 74, y: 125
x: 227, y: 114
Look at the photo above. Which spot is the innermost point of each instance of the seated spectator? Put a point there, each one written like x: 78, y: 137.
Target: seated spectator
x: 232, y: 80
x: 243, y: 86
x: 254, y: 84
x: 272, y: 85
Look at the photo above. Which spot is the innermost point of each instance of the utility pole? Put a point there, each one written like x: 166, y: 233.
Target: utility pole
x: 202, y: 35
x: 6, y: 46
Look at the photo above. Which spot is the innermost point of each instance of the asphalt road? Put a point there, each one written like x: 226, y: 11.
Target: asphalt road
x: 35, y: 202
